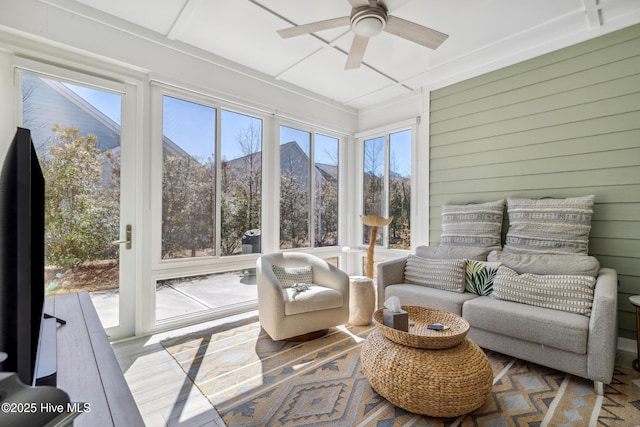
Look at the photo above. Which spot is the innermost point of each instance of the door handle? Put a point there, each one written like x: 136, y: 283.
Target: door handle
x: 127, y: 240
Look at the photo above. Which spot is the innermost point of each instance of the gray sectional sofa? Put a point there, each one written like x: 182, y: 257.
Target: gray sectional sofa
x: 580, y: 341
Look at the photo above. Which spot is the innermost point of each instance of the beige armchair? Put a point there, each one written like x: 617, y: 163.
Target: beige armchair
x: 287, y: 314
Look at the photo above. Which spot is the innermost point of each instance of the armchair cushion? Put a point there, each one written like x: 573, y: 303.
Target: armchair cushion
x: 313, y: 299
x: 289, y: 276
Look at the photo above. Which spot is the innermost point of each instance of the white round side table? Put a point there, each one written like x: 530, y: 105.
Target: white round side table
x: 362, y: 300
x: 635, y: 300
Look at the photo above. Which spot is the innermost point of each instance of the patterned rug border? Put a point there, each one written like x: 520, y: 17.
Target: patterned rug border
x: 252, y: 380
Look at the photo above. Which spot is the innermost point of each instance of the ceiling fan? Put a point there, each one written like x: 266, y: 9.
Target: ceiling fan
x: 369, y: 18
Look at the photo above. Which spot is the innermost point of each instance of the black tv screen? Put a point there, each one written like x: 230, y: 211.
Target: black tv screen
x: 21, y: 256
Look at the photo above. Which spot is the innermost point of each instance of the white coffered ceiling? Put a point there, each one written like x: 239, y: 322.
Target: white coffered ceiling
x: 483, y: 35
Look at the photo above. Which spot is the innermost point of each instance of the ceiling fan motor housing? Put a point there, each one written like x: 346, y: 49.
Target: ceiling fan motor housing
x: 368, y: 21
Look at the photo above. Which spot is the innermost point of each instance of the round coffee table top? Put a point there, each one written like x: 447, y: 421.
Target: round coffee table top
x: 635, y: 300
x: 419, y: 335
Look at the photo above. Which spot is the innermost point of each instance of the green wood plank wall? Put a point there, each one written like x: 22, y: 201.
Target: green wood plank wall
x: 564, y: 124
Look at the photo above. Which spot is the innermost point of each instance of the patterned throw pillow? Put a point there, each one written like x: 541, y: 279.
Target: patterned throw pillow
x: 570, y: 293
x: 551, y: 226
x: 480, y: 276
x: 476, y: 224
x: 289, y: 276
x: 445, y: 274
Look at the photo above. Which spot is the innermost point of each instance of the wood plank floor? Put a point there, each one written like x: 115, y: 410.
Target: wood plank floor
x: 163, y: 392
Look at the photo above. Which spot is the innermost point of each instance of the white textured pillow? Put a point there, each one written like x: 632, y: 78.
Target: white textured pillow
x: 475, y: 224
x: 551, y: 226
x: 445, y: 274
x: 289, y: 276
x: 572, y: 293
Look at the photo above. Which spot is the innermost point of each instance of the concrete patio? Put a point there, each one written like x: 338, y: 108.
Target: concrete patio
x: 176, y: 298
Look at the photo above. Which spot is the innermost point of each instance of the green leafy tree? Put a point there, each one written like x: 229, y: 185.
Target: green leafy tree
x: 82, y: 209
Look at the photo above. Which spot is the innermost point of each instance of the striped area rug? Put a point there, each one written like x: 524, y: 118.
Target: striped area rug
x: 254, y: 381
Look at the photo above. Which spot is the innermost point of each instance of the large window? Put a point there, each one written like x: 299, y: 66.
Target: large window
x: 308, y: 189
x: 189, y: 199
x: 387, y: 187
x: 188, y: 179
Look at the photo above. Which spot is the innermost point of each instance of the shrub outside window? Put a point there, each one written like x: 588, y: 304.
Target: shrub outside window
x: 387, y: 187
x: 308, y: 195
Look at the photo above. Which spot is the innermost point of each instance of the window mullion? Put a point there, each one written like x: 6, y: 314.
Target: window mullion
x: 312, y: 190
x: 218, y: 182
x: 387, y: 180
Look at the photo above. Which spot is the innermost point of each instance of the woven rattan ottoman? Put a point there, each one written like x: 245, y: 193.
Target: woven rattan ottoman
x: 435, y: 373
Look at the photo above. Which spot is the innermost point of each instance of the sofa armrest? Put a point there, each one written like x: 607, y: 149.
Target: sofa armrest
x: 389, y: 273
x: 603, y: 327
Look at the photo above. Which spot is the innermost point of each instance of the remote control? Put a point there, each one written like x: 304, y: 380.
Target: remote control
x: 436, y: 327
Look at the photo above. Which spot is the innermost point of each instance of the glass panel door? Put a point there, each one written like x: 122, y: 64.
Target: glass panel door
x: 77, y: 133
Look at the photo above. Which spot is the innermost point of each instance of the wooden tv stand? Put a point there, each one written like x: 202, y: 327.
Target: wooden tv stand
x: 87, y: 367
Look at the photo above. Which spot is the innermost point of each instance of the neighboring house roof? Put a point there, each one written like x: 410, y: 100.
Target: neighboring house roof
x: 290, y: 154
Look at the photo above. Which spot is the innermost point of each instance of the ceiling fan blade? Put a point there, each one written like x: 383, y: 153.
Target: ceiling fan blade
x: 413, y: 32
x: 392, y: 5
x: 356, y: 53
x: 313, y: 27
x: 358, y: 3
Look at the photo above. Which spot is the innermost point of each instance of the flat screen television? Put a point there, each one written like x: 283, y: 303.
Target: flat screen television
x: 21, y: 257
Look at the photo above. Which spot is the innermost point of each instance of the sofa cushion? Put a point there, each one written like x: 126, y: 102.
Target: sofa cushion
x: 547, y: 264
x: 544, y: 326
x: 453, y: 252
x: 428, y: 297
x: 316, y: 298
x: 564, y: 292
x: 553, y: 226
x: 289, y: 276
x: 480, y: 275
x: 474, y: 224
x: 445, y: 274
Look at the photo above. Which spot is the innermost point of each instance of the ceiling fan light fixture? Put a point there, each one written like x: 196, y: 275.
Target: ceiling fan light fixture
x: 368, y: 22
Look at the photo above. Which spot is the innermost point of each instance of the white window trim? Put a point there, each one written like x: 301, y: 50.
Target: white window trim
x: 413, y: 125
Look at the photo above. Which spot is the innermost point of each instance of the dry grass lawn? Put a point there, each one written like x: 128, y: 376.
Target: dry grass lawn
x: 90, y: 276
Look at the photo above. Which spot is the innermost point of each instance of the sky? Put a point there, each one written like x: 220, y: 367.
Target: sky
x: 107, y: 103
